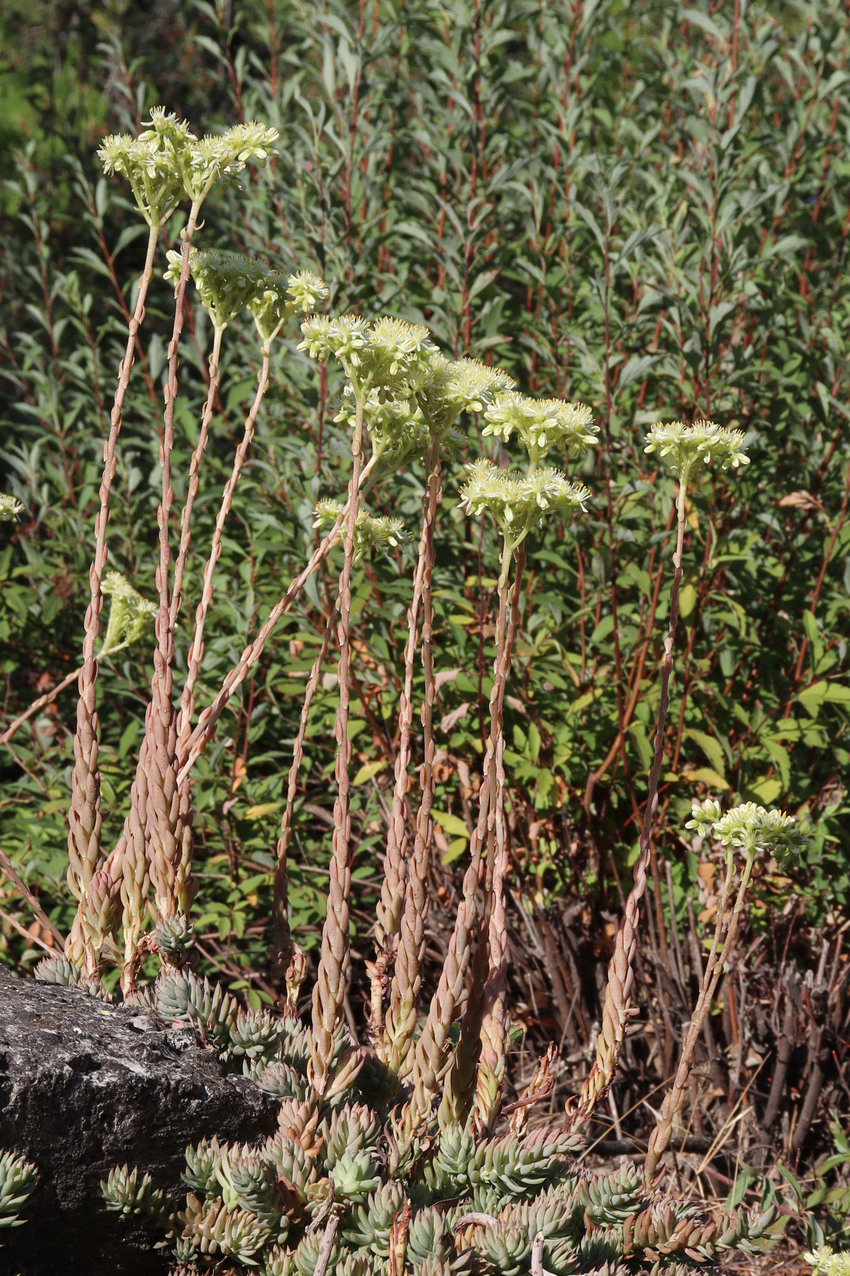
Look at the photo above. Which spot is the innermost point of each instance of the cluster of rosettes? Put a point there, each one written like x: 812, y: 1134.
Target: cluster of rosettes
x: 229, y: 283
x: 748, y: 828
x: 10, y: 508
x: 370, y: 533
x: 168, y: 163
x: 332, y: 1180
x: 384, y: 355
x: 130, y: 615
x: 59, y: 970
x: 687, y: 447
x: 541, y: 424
x: 519, y: 501
x: 18, y: 1178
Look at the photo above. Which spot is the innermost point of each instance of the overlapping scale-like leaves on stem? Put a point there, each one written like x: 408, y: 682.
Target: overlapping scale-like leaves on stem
x: 166, y: 164
x: 450, y: 389
x: 744, y: 832
x: 686, y: 449
x: 517, y: 503
x: 391, y: 359
x: 85, y: 853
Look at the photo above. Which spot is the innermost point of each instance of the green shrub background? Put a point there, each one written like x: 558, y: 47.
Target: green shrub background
x: 642, y: 206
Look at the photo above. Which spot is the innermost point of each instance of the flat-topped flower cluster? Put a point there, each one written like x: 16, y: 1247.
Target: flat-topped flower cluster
x: 229, y: 283
x: 370, y: 531
x: 749, y: 828
x: 167, y: 163
x: 542, y: 424
x: 518, y: 502
x: 688, y: 447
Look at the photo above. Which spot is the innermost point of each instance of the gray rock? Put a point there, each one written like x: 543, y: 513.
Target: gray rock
x: 85, y: 1086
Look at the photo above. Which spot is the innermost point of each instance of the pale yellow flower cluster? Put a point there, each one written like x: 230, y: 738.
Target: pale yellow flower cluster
x: 749, y: 828
x: 371, y: 533
x: 229, y: 283
x: 518, y: 502
x: 827, y: 1263
x: 688, y: 447
x: 167, y: 163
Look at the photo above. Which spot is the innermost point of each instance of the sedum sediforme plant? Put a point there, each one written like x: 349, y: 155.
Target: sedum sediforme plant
x: 389, y: 1156
x: 18, y: 1179
x: 392, y: 1154
x: 164, y: 165
x: 334, y: 1190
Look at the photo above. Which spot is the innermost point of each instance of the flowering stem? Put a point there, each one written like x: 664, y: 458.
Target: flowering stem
x: 282, y: 939
x: 193, y: 484
x: 407, y: 978
x: 675, y: 1097
x: 192, y: 747
x: 493, y: 997
x: 187, y: 699
x: 428, y: 1059
x: 167, y: 820
x: 329, y: 989
x: 126, y: 862
x: 85, y: 852
x: 84, y: 817
x: 165, y: 622
x: 618, y: 990
x: 486, y: 961
x: 392, y: 890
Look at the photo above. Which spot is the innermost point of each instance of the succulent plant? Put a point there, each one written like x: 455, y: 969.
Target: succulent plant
x: 471, y: 1203
x: 181, y: 998
x: 395, y: 1156
x: 18, y: 1178
x: 392, y: 1158
x: 128, y: 1192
